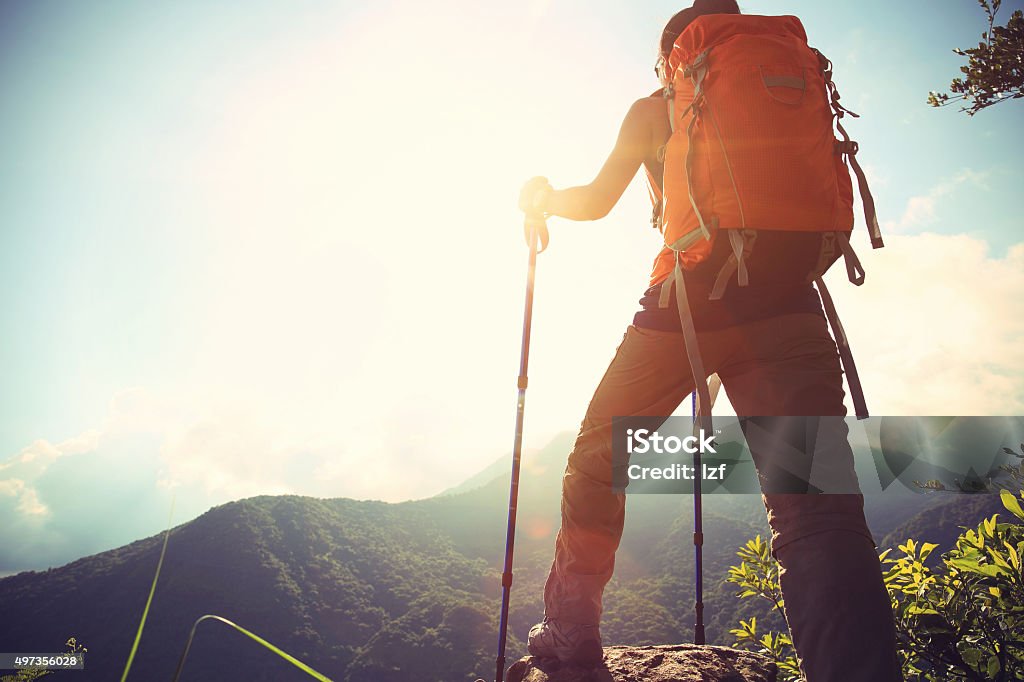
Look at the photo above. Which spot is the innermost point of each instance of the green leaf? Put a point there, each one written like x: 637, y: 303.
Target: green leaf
x: 917, y: 610
x: 926, y: 549
x: 972, y: 538
x: 972, y: 657
x: 1011, y: 503
x: 998, y: 559
x: 970, y: 566
x: 993, y: 571
x: 1014, y: 556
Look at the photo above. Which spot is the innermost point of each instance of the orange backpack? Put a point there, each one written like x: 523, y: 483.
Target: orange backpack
x: 753, y: 148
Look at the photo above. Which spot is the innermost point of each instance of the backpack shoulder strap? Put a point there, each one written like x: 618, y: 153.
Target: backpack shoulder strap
x: 845, y: 354
x: 657, y: 195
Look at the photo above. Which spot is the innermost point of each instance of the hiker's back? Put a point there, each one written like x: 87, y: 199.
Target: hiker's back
x: 753, y: 148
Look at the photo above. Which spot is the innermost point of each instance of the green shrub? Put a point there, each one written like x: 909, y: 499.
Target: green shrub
x: 962, y: 620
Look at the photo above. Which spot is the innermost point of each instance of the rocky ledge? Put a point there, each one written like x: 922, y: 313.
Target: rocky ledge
x: 664, y: 663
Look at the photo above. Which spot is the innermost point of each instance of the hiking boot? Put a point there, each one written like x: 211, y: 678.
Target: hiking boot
x: 568, y: 642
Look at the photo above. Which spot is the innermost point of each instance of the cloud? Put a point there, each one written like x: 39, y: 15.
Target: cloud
x: 93, y: 492
x: 26, y: 498
x: 76, y: 497
x: 936, y: 327
x: 18, y: 474
x: 29, y: 504
x: 935, y: 330
x: 109, y: 486
x: 923, y: 209
x: 40, y: 450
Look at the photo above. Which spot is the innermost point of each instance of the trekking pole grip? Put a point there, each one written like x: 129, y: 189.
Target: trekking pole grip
x: 535, y: 228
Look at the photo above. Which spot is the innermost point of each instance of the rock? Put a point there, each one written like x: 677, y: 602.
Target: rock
x: 664, y: 663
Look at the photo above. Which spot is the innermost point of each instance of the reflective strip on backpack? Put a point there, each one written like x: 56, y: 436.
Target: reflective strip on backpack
x: 784, y: 82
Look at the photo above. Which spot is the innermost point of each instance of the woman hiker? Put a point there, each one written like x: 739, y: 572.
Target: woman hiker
x: 770, y: 346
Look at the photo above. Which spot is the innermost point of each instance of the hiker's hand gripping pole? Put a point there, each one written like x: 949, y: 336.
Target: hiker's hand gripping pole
x: 537, y: 238
x: 532, y: 200
x: 535, y: 228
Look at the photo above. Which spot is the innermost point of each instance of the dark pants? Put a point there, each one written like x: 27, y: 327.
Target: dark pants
x: 835, y: 602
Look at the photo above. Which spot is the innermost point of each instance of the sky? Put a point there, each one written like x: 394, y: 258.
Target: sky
x: 273, y: 247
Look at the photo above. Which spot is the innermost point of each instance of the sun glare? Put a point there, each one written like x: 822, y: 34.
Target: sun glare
x: 364, y: 202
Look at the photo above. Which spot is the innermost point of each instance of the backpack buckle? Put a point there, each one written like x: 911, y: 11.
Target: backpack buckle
x: 697, y: 64
x: 847, y: 147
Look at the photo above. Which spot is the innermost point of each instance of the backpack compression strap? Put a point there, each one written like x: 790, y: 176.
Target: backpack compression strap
x: 845, y: 354
x: 855, y: 272
x: 849, y: 149
x: 700, y: 377
x: 742, y: 242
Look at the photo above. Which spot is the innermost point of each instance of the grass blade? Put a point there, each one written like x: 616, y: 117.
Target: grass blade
x: 149, y: 600
x: 283, y: 654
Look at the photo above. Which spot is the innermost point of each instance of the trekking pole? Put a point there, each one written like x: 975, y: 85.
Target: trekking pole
x: 698, y: 537
x: 536, y: 229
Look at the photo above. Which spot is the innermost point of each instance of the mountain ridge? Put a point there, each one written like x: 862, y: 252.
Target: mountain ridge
x: 361, y: 589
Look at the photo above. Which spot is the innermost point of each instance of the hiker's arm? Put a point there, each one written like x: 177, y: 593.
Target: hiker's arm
x: 594, y: 201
